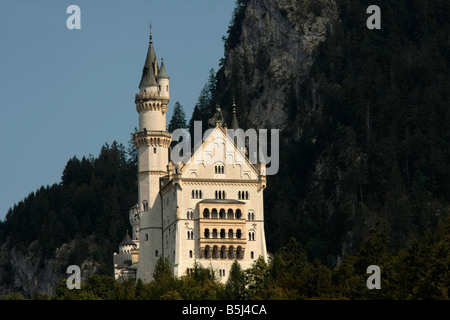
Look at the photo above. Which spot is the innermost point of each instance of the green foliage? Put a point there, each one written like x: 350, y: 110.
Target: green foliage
x: 417, y: 272
x: 206, y: 104
x: 235, y: 286
x: 91, y: 200
x: 178, y: 120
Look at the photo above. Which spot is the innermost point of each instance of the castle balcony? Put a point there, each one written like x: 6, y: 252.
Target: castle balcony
x: 145, y: 96
x: 222, y: 251
x: 222, y: 229
x: 222, y: 241
x: 152, y: 138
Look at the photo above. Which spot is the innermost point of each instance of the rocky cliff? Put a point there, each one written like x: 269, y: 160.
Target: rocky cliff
x: 361, y: 115
x: 273, y: 54
x: 27, y: 272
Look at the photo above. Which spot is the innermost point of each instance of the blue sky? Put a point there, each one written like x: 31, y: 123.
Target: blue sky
x: 64, y: 93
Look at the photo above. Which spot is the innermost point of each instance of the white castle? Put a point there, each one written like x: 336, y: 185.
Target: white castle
x: 208, y: 209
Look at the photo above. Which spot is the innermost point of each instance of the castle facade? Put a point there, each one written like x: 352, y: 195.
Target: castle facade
x: 208, y: 209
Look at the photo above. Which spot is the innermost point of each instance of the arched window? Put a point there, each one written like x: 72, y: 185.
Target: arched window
x: 145, y: 205
x: 238, y: 233
x: 193, y: 194
x: 206, y: 213
x: 206, y: 233
x: 252, y: 255
x: 192, y: 235
x: 190, y: 253
x: 231, y: 252
x: 246, y: 195
x: 238, y: 214
x: 230, y: 233
x: 214, y: 233
x: 223, y: 195
x: 196, y: 194
x: 222, y: 233
x: 156, y: 253
x: 239, y: 195
x: 200, y: 194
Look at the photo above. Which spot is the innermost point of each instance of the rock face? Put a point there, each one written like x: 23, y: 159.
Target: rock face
x: 274, y: 53
x: 28, y: 273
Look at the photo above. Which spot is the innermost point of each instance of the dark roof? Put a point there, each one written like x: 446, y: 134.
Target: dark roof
x: 127, y: 240
x: 234, y: 122
x: 162, y: 74
x: 148, y: 73
x: 224, y: 201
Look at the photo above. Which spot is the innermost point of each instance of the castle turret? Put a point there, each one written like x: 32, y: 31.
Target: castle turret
x: 163, y: 82
x: 152, y: 142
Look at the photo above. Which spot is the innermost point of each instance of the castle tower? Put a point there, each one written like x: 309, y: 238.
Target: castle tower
x: 152, y: 142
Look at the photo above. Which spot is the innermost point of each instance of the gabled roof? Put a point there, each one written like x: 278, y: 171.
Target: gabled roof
x: 239, y: 153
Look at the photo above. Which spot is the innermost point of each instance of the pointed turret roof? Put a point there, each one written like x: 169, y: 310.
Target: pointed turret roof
x: 127, y: 240
x: 150, y: 68
x: 162, y: 74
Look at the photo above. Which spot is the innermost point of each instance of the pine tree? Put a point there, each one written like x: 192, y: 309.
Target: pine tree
x: 235, y: 286
x: 178, y: 120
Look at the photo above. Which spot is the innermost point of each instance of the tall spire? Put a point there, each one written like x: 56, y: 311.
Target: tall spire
x: 234, y: 122
x: 150, y: 69
x: 151, y: 38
